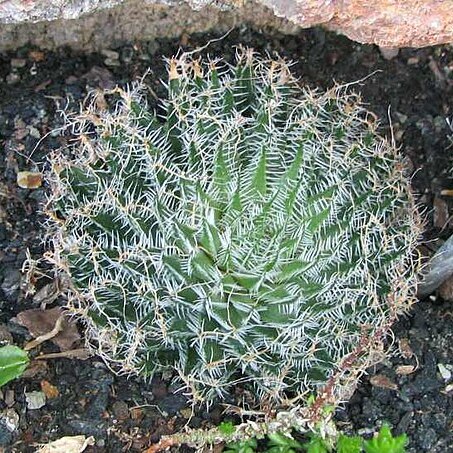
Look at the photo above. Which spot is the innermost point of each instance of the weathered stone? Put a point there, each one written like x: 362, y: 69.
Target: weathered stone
x: 130, y: 20
x: 387, y: 23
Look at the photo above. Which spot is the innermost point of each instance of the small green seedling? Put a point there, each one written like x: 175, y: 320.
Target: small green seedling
x: 349, y: 444
x: 246, y: 446
x: 227, y: 428
x: 279, y: 443
x: 384, y: 442
x: 315, y: 445
x: 13, y: 362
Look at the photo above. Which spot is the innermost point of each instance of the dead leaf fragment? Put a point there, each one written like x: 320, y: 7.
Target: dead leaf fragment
x: 381, y: 381
x: 29, y: 179
x: 36, y: 55
x: 404, y: 370
x: 36, y: 368
x: 68, y: 444
x: 48, y: 293
x: 440, y: 216
x: 47, y: 336
x: 49, y: 389
x: 41, y: 322
x: 405, y: 349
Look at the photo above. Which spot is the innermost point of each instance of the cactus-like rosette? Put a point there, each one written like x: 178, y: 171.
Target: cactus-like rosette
x: 256, y: 231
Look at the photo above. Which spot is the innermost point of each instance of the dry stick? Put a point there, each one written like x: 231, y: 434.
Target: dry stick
x: 81, y: 354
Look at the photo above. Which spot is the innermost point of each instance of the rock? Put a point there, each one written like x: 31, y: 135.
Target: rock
x: 96, y: 429
x: 387, y: 23
x: 110, y: 62
x: 5, y: 335
x: 18, y: 62
x: 12, y: 78
x: 446, y: 289
x: 35, y: 400
x: 29, y: 179
x: 438, y: 270
x: 5, y: 434
x: 98, y: 77
x: 112, y: 54
x: 11, y: 284
x: 172, y: 403
x: 388, y: 53
x: 120, y: 410
x: 405, y: 421
x: 97, y: 403
x: 444, y: 372
x: 428, y: 440
x: 9, y: 398
x: 10, y: 419
x: 127, y: 53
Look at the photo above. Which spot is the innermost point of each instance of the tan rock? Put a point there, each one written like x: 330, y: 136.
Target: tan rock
x: 395, y: 23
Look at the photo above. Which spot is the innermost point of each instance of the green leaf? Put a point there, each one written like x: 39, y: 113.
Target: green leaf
x: 201, y: 267
x: 13, y: 362
x: 210, y: 239
x: 221, y: 175
x: 384, y: 442
x: 227, y: 428
x: 347, y: 444
x: 280, y: 443
x: 315, y: 445
x: 246, y: 446
x: 259, y: 183
x: 292, y: 269
x: 318, y: 219
x: 247, y: 281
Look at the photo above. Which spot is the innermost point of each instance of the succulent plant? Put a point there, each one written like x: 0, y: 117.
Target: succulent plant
x: 250, y: 230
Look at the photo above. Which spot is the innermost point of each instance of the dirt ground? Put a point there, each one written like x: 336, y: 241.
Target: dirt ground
x: 412, y: 390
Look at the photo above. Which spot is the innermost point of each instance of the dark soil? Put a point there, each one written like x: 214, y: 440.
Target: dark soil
x: 126, y: 414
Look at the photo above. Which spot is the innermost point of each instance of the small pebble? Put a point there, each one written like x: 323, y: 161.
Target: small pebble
x: 152, y: 47
x: 11, y: 419
x: 444, y: 372
x: 111, y: 62
x: 37, y: 55
x: 18, y: 62
x: 5, y: 434
x: 29, y: 179
x: 186, y: 412
x: 34, y: 132
x: 428, y: 439
x: 5, y: 335
x: 120, y: 410
x: 110, y: 54
x: 413, y: 61
x: 12, y: 78
x: 388, y: 53
x: 11, y: 283
x: 9, y: 398
x: 35, y: 400
x: 127, y: 54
